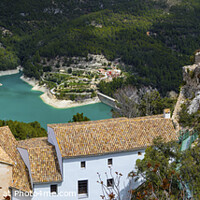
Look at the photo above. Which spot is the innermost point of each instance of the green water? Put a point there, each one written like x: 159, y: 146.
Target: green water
x: 19, y: 102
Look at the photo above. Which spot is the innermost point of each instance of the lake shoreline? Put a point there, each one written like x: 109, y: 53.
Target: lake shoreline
x: 11, y: 71
x: 19, y: 103
x: 50, y: 99
x: 34, y: 83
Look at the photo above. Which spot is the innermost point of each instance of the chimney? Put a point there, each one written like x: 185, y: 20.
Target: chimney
x: 167, y: 113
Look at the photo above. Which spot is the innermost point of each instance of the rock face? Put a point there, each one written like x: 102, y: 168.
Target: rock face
x: 190, y: 92
x: 191, y: 89
x: 191, y: 77
x: 194, y: 105
x: 197, y: 57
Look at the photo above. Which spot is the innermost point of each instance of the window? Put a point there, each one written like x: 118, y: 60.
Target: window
x: 83, y: 164
x: 83, y: 188
x: 110, y: 182
x: 139, y: 153
x: 110, y: 161
x: 54, y: 189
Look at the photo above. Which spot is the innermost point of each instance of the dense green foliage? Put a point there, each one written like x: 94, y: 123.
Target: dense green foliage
x: 159, y: 169
x: 153, y: 38
x: 190, y: 169
x: 149, y: 103
x: 165, y: 168
x: 109, y: 88
x: 79, y: 117
x: 8, y: 60
x: 23, y: 131
x: 189, y: 120
x: 153, y: 104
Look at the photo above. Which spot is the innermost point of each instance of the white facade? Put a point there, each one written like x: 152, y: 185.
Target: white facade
x: 5, y: 179
x: 123, y: 162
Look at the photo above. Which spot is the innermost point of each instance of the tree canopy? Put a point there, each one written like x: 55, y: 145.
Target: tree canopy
x: 167, y: 172
x: 79, y: 117
x: 153, y: 38
x: 136, y: 102
x: 23, y: 131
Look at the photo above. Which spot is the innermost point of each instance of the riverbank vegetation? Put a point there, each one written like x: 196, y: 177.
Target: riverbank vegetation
x: 153, y: 38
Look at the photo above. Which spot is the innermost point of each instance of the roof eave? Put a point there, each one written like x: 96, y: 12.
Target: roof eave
x: 107, y: 153
x: 7, y: 163
x: 12, y: 187
x: 42, y: 183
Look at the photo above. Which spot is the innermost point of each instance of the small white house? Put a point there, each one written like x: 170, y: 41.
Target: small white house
x: 65, y: 164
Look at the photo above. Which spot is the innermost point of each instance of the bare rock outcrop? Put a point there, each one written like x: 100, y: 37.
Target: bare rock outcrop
x: 190, y: 91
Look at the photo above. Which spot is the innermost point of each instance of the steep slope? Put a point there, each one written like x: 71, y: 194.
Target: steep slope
x: 188, y: 104
x: 153, y: 38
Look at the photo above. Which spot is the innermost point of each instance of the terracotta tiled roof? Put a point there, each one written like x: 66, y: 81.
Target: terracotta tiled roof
x: 20, y: 172
x: 114, y: 135
x: 88, y: 122
x: 43, y: 160
x: 4, y: 158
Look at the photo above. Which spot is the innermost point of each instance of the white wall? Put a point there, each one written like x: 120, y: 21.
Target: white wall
x: 72, y: 172
x: 5, y: 179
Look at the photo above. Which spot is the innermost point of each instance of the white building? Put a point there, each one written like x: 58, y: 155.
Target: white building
x: 65, y: 165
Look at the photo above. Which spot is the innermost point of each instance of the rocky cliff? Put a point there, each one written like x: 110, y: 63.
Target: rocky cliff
x: 190, y: 91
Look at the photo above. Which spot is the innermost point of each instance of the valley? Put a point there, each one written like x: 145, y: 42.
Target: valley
x: 154, y: 39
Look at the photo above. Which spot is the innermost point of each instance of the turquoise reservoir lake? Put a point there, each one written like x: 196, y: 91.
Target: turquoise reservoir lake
x: 19, y: 102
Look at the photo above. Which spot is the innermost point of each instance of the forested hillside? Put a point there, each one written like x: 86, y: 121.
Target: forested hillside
x: 154, y: 38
